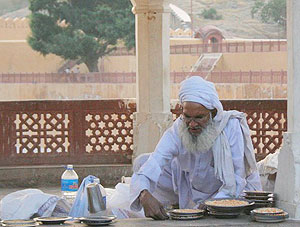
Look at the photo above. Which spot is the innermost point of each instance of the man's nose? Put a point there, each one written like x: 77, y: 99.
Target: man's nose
x: 193, y: 123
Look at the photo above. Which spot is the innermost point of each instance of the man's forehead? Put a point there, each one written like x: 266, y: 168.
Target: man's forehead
x: 194, y: 107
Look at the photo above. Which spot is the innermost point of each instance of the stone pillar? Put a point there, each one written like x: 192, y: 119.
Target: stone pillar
x: 153, y: 114
x: 287, y: 184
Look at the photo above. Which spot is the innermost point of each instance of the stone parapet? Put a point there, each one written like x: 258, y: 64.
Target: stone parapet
x: 14, y: 28
x: 43, y: 176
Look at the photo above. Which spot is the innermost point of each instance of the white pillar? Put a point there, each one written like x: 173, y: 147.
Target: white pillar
x: 287, y: 184
x: 153, y: 114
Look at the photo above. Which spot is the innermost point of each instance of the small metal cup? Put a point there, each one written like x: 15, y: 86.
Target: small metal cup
x: 95, y: 200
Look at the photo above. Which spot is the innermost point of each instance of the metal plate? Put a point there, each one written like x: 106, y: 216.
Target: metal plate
x: 18, y: 221
x: 258, y: 193
x: 21, y: 225
x: 98, y: 223
x: 52, y: 220
x: 270, y: 218
x: 101, y: 220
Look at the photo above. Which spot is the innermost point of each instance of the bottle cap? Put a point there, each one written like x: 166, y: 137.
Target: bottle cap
x: 69, y: 166
x: 97, y: 180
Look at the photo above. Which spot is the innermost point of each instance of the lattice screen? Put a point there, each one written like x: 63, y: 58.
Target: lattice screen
x: 42, y: 132
x: 108, y: 132
x: 266, y: 130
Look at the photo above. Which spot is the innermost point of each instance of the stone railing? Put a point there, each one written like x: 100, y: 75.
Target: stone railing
x: 278, y: 77
x: 100, y: 132
x: 226, y: 47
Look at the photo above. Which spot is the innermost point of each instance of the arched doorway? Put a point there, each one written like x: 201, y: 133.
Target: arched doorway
x: 215, y: 44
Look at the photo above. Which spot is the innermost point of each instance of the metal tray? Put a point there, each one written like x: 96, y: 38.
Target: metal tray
x: 186, y: 212
x: 270, y: 211
x: 259, y: 197
x: 224, y: 215
x: 228, y: 209
x: 258, y: 193
x: 264, y: 201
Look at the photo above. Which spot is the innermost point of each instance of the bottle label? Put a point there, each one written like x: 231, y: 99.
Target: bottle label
x: 104, y: 200
x: 69, y: 185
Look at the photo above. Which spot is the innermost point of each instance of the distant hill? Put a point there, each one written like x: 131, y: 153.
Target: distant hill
x: 7, y: 6
x: 236, y: 18
x: 24, y: 12
x: 236, y: 15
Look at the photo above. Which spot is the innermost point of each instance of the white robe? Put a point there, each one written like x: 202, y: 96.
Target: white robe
x: 171, y: 173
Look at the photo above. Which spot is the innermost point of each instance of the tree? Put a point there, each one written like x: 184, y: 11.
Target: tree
x: 80, y: 30
x: 211, y: 13
x: 272, y: 11
x: 258, y: 5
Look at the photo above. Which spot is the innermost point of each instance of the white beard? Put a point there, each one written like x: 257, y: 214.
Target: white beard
x: 198, y: 143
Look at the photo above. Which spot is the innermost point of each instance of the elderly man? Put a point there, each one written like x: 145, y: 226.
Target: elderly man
x: 207, y: 153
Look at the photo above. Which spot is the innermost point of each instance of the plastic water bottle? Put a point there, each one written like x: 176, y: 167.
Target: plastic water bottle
x: 69, y: 184
x: 102, y: 189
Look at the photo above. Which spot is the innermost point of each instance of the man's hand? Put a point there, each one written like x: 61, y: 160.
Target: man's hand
x: 152, y: 207
x: 202, y: 206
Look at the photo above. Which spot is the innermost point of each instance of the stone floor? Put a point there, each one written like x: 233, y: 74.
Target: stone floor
x: 241, y: 221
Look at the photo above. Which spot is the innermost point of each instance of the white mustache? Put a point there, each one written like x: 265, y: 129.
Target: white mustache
x: 195, y: 128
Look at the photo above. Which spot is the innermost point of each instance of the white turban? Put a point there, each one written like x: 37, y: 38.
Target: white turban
x: 196, y: 89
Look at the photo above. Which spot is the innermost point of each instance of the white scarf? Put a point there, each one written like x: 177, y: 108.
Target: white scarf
x: 223, y: 163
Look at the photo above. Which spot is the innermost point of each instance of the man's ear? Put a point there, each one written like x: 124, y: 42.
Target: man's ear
x: 213, y: 112
x: 179, y: 107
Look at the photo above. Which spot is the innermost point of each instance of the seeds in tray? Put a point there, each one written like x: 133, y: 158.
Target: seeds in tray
x: 187, y: 211
x: 227, y: 202
x: 281, y: 214
x: 267, y: 210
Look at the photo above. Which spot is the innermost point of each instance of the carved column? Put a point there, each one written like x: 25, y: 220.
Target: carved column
x: 287, y: 184
x: 153, y: 73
